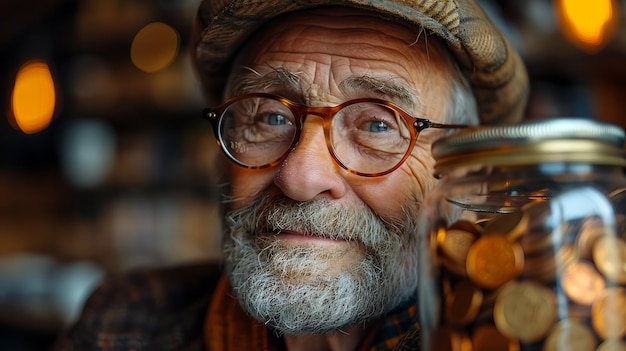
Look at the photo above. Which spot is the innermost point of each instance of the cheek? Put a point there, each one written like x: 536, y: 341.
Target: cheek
x: 421, y: 166
x: 246, y: 184
x: 410, y: 183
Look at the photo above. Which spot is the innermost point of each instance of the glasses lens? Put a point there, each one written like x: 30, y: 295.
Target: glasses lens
x: 257, y: 131
x: 369, y: 137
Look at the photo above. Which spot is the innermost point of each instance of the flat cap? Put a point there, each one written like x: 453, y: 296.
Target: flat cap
x: 494, y: 69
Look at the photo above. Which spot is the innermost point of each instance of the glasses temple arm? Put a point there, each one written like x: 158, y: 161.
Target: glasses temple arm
x: 422, y: 123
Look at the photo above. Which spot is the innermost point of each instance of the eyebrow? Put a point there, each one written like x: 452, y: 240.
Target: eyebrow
x: 290, y: 85
x: 253, y: 81
x: 383, y: 88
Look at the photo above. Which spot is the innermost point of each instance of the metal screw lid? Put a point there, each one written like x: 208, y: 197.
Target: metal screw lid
x: 528, y: 132
x: 554, y: 139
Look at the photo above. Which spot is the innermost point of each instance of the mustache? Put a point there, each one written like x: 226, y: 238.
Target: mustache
x: 275, y: 213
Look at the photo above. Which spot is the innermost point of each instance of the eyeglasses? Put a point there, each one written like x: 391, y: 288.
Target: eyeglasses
x: 367, y: 137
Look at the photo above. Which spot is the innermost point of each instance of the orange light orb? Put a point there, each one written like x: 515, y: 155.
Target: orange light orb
x: 33, y: 100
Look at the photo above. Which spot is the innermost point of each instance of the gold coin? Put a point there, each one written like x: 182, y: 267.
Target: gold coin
x: 544, y: 268
x: 539, y: 234
x: 538, y: 213
x: 587, y: 237
x: 487, y: 337
x: 446, y: 285
x: 577, y: 311
x: 455, y: 244
x: 447, y: 338
x: 482, y: 222
x: 536, y: 241
x: 609, y: 255
x: 452, y: 266
x: 617, y: 192
x: 612, y: 345
x: 463, y: 303
x: 570, y: 335
x: 538, y: 265
x: 467, y: 226
x: 582, y: 282
x: 513, y: 224
x: 608, y: 314
x: 525, y: 311
x: 493, y: 260
x: 620, y: 223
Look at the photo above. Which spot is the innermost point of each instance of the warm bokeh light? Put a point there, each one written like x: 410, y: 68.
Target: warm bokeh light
x: 34, y: 98
x: 155, y: 47
x: 588, y: 24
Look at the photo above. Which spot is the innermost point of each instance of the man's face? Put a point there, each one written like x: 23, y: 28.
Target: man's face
x: 311, y: 247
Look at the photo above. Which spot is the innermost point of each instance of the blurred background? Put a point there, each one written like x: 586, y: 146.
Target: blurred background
x: 106, y: 165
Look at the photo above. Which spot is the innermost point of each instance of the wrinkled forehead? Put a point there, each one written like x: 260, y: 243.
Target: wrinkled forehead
x: 343, y: 20
x: 388, y: 54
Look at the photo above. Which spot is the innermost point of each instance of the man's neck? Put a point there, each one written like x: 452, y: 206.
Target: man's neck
x: 347, y: 339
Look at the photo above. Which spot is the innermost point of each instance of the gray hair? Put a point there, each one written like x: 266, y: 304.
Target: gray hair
x: 462, y: 107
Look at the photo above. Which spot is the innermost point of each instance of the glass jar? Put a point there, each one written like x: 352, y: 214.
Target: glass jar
x: 523, y: 240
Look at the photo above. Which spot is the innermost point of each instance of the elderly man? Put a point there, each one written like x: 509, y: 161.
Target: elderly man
x: 327, y: 110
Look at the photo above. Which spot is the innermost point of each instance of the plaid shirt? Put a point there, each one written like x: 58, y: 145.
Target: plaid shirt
x: 165, y: 309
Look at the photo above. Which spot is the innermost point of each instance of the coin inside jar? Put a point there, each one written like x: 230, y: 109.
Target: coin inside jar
x: 450, y: 339
x: 582, y: 282
x: 570, y: 335
x: 463, y: 303
x: 608, y: 314
x: 609, y: 255
x: 513, y: 224
x: 493, y: 260
x: 488, y: 337
x: 525, y: 311
x: 455, y: 244
x: 588, y: 236
x: 612, y: 345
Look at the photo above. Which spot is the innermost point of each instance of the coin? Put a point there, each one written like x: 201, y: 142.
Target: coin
x: 582, y: 282
x: 536, y: 266
x: 486, y: 337
x: 467, y: 226
x: 463, y: 303
x: 570, y: 335
x: 525, y: 311
x: 493, y: 260
x: 617, y: 192
x: 482, y: 222
x: 587, y: 238
x: 447, y: 338
x: 612, y: 345
x: 538, y: 213
x: 620, y: 223
x: 609, y: 255
x: 544, y: 268
x: 576, y: 311
x: 608, y: 314
x: 453, y: 266
x: 455, y: 244
x: 513, y: 224
x: 539, y: 234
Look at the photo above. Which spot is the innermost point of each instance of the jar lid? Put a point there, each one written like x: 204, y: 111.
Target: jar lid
x: 532, y: 142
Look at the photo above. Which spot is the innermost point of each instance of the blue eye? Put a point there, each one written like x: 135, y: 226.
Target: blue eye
x: 379, y: 126
x: 276, y: 120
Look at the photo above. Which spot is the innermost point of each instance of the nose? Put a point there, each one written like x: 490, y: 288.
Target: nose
x: 309, y: 170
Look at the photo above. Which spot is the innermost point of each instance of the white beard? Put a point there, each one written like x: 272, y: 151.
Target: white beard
x: 295, y: 289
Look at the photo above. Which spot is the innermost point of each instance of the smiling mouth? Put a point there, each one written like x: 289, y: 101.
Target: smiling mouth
x: 291, y: 235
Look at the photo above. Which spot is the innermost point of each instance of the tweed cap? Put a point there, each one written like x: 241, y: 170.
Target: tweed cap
x: 495, y: 70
